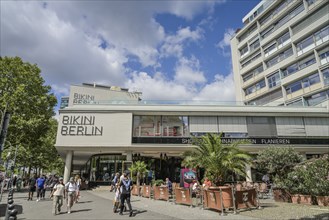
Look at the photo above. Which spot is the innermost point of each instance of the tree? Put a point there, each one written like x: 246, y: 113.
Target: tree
x: 139, y: 168
x: 218, y: 159
x: 31, y: 105
x: 277, y: 161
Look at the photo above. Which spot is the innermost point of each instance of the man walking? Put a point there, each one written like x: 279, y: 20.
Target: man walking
x: 125, y: 190
x: 58, y: 193
x: 40, y: 187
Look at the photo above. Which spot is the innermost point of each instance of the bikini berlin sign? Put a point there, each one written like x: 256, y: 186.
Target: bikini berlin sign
x: 80, y: 125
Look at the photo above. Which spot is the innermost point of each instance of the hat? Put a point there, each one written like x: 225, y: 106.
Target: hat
x: 71, y: 179
x: 60, y: 178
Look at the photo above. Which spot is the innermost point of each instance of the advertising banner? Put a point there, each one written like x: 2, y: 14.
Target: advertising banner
x: 187, y: 177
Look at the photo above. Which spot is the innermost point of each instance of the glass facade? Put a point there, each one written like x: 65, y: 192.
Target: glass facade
x: 304, y: 83
x: 160, y: 126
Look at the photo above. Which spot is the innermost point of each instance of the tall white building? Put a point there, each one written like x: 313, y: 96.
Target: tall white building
x: 281, y: 55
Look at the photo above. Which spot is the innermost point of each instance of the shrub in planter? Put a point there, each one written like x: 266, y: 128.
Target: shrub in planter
x: 310, y: 180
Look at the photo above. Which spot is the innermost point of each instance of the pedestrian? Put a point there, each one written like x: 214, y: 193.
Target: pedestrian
x: 40, y: 187
x: 114, y: 182
x: 32, y: 186
x: 77, y: 180
x: 207, y: 183
x: 58, y: 193
x: 125, y: 191
x: 71, y: 188
x: 149, y: 177
x: 169, y: 185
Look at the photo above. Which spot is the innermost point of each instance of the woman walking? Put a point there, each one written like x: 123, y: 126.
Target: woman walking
x: 77, y: 180
x: 71, y: 188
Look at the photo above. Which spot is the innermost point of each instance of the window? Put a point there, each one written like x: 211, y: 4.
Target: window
x: 248, y: 32
x: 283, y: 20
x: 298, y: 66
x: 253, y: 73
x: 316, y: 98
x: 310, y: 2
x: 279, y: 57
x: 308, y: 43
x: 250, y: 60
x: 261, y: 127
x: 304, y: 83
x: 270, y: 49
x: 274, y: 80
x: 284, y: 38
x: 325, y: 74
x: 298, y: 102
x: 244, y: 50
x: 277, y: 10
x: 324, y: 56
x: 266, y: 98
x: 147, y: 126
x: 174, y: 126
x: 255, y: 87
x: 254, y: 45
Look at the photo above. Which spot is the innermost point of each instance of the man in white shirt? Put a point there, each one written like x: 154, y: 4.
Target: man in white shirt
x: 58, y: 194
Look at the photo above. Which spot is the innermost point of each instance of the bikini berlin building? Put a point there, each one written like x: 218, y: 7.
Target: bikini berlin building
x: 98, y: 135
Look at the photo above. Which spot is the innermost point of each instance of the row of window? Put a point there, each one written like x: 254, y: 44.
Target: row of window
x: 313, y: 40
x: 298, y: 66
x: 249, y: 61
x: 274, y: 80
x: 269, y: 97
x: 275, y: 11
x: 257, y: 86
x: 317, y: 98
x: 253, y: 73
x: 282, y: 21
x: 277, y: 44
x: 303, y: 83
x: 278, y: 58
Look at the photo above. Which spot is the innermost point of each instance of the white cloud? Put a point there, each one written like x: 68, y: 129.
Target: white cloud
x: 64, y: 38
x: 226, y: 42
x: 173, y: 44
x: 188, y: 71
x: 221, y: 90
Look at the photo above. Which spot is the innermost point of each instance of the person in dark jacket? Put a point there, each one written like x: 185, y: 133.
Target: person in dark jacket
x: 125, y: 191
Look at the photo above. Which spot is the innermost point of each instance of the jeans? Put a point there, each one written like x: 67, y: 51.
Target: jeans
x: 124, y: 197
x: 59, y: 200
x: 70, y: 200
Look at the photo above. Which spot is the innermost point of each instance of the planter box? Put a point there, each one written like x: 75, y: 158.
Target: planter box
x: 135, y: 190
x: 322, y: 200
x: 246, y: 198
x: 281, y: 195
x: 161, y: 192
x: 146, y: 191
x: 183, y: 196
x: 301, y: 199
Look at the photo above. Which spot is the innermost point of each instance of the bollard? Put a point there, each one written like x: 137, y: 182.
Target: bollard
x: 11, y: 212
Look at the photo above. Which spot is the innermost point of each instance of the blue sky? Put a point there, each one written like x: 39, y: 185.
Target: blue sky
x: 169, y: 50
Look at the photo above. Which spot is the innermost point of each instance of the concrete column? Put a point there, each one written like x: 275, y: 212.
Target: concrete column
x: 67, y: 169
x: 248, y: 172
x: 129, y: 156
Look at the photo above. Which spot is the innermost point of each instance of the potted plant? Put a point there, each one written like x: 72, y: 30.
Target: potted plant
x: 138, y: 169
x: 278, y: 162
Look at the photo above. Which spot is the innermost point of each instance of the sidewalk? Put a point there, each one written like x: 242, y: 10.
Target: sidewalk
x: 98, y: 205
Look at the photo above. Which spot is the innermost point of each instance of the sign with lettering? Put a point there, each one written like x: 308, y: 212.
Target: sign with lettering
x: 83, y: 98
x: 264, y: 141
x: 80, y: 125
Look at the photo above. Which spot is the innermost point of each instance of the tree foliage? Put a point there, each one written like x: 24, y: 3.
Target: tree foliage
x: 277, y: 161
x: 218, y: 159
x: 32, y: 107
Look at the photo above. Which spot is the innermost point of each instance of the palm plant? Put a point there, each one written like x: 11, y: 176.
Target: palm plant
x: 216, y: 158
x: 139, y: 168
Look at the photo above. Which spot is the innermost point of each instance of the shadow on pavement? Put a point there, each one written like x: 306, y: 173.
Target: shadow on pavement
x: 323, y: 216
x: 136, y: 212
x: 3, y: 208
x: 85, y: 202
x: 81, y: 210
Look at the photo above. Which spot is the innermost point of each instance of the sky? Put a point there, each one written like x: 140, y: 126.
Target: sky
x: 168, y: 50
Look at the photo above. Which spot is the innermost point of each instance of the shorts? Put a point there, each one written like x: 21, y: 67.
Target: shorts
x: 32, y: 189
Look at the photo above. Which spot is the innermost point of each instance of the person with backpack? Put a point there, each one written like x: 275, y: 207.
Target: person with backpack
x: 58, y: 193
x: 71, y: 188
x: 40, y: 187
x: 125, y: 193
